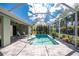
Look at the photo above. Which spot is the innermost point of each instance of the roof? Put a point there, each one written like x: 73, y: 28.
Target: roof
x: 13, y: 16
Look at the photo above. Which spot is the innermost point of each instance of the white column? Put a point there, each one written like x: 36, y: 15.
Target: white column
x: 59, y: 27
x: 5, y: 31
x: 29, y: 31
x: 76, y: 23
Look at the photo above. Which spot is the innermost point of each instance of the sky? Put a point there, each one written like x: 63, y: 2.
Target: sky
x: 40, y: 1
x: 25, y: 10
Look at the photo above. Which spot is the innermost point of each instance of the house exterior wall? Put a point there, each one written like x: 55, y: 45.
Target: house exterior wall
x: 11, y: 30
x: 0, y: 29
x: 6, y: 30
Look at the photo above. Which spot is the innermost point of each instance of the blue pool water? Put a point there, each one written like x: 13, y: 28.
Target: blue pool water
x: 42, y: 39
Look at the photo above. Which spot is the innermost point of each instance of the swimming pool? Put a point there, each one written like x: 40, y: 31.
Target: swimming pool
x: 43, y: 39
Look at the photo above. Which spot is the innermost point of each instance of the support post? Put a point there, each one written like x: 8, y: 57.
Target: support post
x: 76, y: 30
x: 59, y: 27
x: 29, y: 31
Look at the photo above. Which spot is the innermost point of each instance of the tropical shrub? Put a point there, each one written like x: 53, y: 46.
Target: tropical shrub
x: 62, y: 36
x: 54, y: 34
x: 63, y: 29
x: 69, y: 39
x: 78, y: 42
x: 68, y: 30
x: 66, y: 38
x: 42, y: 29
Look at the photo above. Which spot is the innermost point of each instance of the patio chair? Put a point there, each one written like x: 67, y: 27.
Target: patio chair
x: 18, y: 34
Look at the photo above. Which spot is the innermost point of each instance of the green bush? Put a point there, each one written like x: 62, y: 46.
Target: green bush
x: 66, y: 38
x: 70, y: 39
x: 63, y: 29
x: 42, y: 29
x: 71, y: 31
x: 78, y: 42
x: 62, y: 36
x: 54, y: 34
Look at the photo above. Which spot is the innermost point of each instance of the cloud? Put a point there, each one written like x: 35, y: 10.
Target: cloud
x: 42, y: 8
x: 38, y: 8
x: 51, y: 21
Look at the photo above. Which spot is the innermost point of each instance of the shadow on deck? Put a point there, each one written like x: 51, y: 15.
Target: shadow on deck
x: 71, y: 47
x: 16, y: 38
x: 1, y: 54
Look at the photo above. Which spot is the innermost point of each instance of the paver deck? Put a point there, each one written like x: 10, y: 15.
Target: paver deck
x: 23, y: 48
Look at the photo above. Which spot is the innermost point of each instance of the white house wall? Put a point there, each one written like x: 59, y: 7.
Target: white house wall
x: 6, y: 31
x: 0, y: 29
x: 11, y: 30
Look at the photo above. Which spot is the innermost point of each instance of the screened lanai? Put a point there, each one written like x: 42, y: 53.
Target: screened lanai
x: 40, y: 23
x: 35, y: 12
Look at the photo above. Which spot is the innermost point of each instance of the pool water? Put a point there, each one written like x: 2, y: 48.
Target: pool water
x: 42, y: 39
